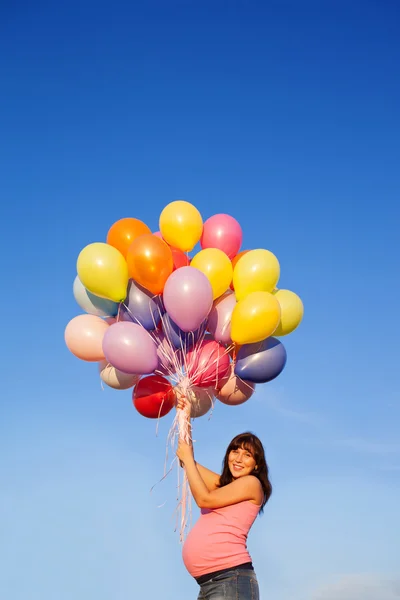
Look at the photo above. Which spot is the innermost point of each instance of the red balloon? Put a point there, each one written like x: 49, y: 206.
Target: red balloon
x: 207, y: 363
x: 153, y: 397
x: 180, y: 258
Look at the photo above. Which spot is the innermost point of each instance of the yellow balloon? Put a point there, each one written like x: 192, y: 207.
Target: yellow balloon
x: 217, y: 267
x: 181, y: 225
x: 292, y: 311
x: 256, y: 271
x: 103, y: 271
x: 255, y: 318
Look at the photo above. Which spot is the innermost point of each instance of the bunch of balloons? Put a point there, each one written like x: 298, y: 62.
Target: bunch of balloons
x: 164, y: 324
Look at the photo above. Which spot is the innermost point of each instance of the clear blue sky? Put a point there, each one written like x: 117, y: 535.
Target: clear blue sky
x: 285, y: 115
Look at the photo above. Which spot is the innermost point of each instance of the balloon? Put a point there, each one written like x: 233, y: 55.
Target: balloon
x: 180, y: 258
x: 178, y: 338
x: 181, y: 225
x: 256, y: 271
x: 153, y: 397
x: 110, y: 320
x: 261, y: 362
x: 116, y: 379
x: 219, y: 321
x: 84, y: 337
x: 188, y: 298
x: 122, y: 233
x: 103, y: 271
x: 169, y: 359
x: 129, y: 348
x: 235, y: 261
x: 222, y: 232
x: 233, y: 390
x: 216, y: 266
x: 203, y: 403
x: 255, y: 318
x: 92, y: 304
x: 150, y: 262
x: 234, y: 350
x: 207, y: 363
x: 141, y: 307
x: 292, y: 311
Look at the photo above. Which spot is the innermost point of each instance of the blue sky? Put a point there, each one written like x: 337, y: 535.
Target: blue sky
x: 286, y: 116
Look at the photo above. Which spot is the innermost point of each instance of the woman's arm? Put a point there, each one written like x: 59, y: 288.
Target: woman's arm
x: 244, y: 488
x: 210, y: 478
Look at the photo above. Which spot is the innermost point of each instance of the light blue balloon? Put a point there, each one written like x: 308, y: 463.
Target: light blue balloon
x: 94, y: 305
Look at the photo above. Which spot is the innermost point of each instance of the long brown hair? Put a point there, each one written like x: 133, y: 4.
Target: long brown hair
x: 249, y: 442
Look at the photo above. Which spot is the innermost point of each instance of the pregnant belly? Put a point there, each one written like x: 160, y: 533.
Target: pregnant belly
x: 208, y: 551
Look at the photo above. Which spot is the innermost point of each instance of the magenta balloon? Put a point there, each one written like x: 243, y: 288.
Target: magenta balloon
x: 207, y: 363
x: 129, y: 348
x: 188, y: 297
x: 222, y: 232
x: 219, y: 321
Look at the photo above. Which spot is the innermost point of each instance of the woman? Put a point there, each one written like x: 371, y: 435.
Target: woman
x: 215, y: 551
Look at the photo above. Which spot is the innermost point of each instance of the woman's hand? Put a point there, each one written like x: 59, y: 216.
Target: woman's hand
x: 184, y: 451
x: 183, y: 404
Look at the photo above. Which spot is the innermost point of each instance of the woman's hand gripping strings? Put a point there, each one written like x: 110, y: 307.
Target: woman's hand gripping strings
x: 186, y: 459
x: 183, y: 447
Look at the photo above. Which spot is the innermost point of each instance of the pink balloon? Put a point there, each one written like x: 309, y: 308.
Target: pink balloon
x: 188, y: 297
x: 158, y: 234
x: 207, y: 363
x: 223, y: 232
x: 84, y: 337
x: 219, y: 321
x: 233, y: 390
x: 129, y: 348
x: 111, y: 320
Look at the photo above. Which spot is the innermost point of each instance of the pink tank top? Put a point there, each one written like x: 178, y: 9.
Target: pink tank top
x: 218, y: 539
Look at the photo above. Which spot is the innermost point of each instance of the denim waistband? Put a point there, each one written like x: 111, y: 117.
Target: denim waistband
x: 204, y: 578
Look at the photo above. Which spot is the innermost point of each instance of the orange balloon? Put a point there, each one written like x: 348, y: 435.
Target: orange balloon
x: 124, y: 232
x: 150, y: 262
x: 234, y: 351
x: 235, y: 260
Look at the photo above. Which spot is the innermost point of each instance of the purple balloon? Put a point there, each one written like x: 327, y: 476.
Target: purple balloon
x: 188, y: 297
x: 219, y: 321
x: 262, y: 361
x: 169, y: 359
x: 129, y: 348
x: 178, y: 338
x: 141, y: 307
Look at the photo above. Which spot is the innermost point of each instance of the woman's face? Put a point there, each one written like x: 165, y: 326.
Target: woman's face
x: 241, y: 462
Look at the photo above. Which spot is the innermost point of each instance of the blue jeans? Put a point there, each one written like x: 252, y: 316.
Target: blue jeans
x: 237, y: 584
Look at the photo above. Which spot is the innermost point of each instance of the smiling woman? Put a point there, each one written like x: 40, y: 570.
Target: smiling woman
x: 215, y: 551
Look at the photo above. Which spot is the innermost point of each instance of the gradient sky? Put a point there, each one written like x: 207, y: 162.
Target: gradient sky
x: 285, y: 115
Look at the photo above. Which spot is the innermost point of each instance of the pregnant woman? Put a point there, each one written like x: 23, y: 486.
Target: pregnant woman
x: 215, y: 551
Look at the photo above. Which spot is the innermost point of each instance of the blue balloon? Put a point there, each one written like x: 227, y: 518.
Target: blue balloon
x: 178, y: 338
x: 141, y: 307
x: 262, y: 361
x: 92, y: 304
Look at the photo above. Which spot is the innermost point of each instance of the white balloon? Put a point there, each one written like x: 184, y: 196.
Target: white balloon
x: 116, y: 379
x: 203, y: 402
